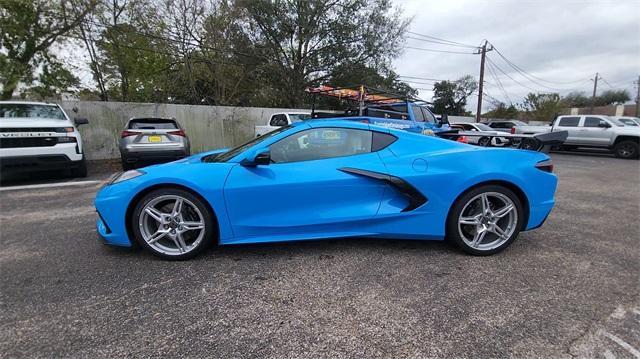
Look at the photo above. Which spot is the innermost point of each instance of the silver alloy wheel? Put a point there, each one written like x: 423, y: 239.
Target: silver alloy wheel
x: 171, y: 224
x: 487, y: 221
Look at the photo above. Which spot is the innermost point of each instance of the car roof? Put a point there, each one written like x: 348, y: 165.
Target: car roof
x: 28, y: 103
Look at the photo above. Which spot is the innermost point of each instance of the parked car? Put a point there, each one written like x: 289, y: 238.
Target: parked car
x: 628, y: 121
x: 38, y: 136
x: 504, y: 125
x: 278, y: 120
x: 481, y: 128
x: 594, y: 131
x: 150, y: 140
x: 330, y: 179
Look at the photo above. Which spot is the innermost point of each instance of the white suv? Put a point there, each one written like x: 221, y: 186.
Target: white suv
x: 36, y: 136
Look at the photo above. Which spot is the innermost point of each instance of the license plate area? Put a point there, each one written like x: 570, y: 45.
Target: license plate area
x: 154, y: 139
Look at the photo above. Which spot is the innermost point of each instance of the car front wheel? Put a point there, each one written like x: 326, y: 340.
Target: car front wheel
x: 173, y: 224
x: 626, y: 149
x: 485, y: 220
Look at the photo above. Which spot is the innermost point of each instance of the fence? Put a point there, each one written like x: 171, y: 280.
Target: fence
x: 208, y: 127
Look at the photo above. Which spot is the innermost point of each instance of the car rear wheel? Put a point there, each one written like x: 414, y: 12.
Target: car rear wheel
x: 485, y: 220
x: 626, y: 149
x: 484, y: 141
x: 173, y: 224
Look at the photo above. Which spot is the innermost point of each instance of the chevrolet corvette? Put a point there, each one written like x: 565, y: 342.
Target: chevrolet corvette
x: 330, y: 179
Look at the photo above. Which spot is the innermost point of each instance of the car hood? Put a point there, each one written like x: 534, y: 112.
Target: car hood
x: 29, y: 122
x: 628, y: 130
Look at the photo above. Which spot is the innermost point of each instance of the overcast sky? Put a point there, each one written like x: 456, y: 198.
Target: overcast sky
x: 560, y: 44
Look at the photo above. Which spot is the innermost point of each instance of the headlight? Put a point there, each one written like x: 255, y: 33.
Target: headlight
x: 126, y: 176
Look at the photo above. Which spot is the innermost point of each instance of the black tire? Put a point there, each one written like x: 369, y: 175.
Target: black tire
x: 626, y: 149
x: 81, y: 170
x: 453, y: 234
x: 210, y: 230
x: 484, y: 141
x: 126, y: 165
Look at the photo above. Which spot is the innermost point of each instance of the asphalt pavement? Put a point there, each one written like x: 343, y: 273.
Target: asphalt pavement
x: 568, y: 289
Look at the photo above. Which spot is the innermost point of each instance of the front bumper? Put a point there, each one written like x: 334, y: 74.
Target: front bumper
x: 48, y: 162
x: 111, y: 205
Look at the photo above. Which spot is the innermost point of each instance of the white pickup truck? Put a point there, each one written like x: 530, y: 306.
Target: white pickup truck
x: 594, y: 131
x: 278, y: 120
x: 36, y: 136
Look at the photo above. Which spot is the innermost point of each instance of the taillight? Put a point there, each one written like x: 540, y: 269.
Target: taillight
x: 178, y: 133
x: 463, y: 139
x: 126, y: 133
x: 513, y: 130
x: 546, y: 165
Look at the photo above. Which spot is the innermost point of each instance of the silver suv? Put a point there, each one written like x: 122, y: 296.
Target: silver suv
x: 146, y: 141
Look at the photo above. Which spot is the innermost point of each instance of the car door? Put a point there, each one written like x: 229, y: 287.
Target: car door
x: 306, y: 188
x: 595, y: 131
x: 571, y: 125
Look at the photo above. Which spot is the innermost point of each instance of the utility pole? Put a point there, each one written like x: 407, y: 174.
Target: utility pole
x: 595, y: 88
x: 483, y: 53
x: 638, y: 98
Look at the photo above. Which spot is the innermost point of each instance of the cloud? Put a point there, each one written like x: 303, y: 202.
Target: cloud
x: 561, y: 44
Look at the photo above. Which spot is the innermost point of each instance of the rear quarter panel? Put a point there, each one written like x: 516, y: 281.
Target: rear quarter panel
x: 447, y: 169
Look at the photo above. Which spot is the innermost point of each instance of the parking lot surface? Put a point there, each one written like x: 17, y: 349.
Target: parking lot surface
x: 568, y: 289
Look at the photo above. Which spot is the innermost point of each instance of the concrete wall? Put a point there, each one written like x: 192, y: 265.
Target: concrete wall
x: 208, y: 127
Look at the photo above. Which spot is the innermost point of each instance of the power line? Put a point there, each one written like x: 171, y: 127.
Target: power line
x: 531, y: 77
x: 500, y: 86
x: 434, y: 39
x: 512, y: 79
x: 421, y: 78
x: 434, y: 50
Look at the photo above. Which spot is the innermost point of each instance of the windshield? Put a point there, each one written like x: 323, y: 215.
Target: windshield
x: 628, y: 121
x: 615, y: 121
x: 297, y: 117
x: 226, y: 156
x: 23, y: 110
x: 483, y: 127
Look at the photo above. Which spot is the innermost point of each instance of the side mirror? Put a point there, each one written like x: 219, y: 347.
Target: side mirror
x: 603, y: 124
x: 262, y: 158
x: 80, y: 121
x: 444, y: 120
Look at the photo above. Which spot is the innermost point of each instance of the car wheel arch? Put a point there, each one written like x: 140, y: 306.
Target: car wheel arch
x: 509, y: 185
x: 138, y: 196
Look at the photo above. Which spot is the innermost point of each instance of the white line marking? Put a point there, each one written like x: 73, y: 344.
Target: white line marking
x: 49, y: 185
x: 608, y: 354
x: 621, y: 343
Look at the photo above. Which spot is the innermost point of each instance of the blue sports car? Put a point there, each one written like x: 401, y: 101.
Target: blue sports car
x: 330, y: 179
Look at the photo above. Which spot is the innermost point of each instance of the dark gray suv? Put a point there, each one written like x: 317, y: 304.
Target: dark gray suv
x: 151, y: 140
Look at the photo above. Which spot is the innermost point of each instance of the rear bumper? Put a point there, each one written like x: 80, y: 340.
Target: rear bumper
x: 153, y: 156
x: 50, y: 162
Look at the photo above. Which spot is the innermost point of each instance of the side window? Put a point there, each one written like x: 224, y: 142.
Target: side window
x: 592, y: 122
x: 319, y: 143
x: 468, y: 127
x: 428, y: 116
x: 381, y: 140
x: 417, y: 113
x: 569, y: 122
x: 278, y: 120
x: 501, y: 125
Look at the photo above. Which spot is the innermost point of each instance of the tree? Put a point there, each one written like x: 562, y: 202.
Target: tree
x: 612, y: 97
x: 542, y: 107
x: 27, y: 31
x: 302, y: 42
x: 501, y: 110
x: 576, y: 99
x: 450, y: 97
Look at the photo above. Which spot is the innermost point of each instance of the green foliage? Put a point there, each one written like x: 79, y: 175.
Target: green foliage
x: 612, y: 97
x: 502, y: 111
x: 542, y: 107
x: 450, y: 97
x: 607, y: 97
x: 27, y: 31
